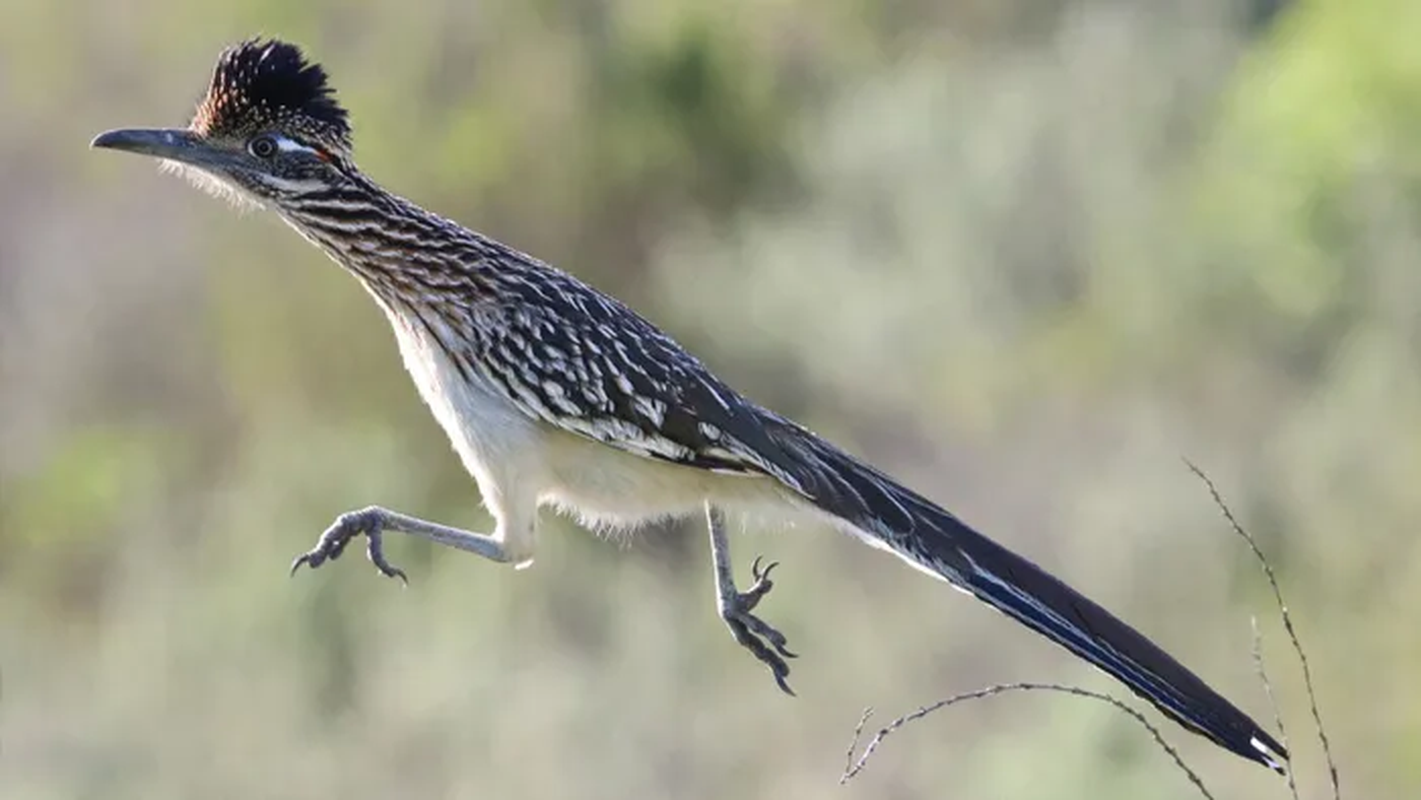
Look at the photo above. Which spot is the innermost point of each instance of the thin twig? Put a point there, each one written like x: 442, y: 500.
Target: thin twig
x: 1272, y: 700
x: 850, y: 769
x: 1287, y: 623
x: 853, y: 768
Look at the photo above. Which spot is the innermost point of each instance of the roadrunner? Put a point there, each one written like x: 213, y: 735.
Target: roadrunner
x: 554, y: 394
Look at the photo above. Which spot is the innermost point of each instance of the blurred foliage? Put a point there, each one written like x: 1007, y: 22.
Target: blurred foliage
x: 1023, y: 254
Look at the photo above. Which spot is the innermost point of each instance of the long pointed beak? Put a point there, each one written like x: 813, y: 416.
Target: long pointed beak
x: 176, y: 144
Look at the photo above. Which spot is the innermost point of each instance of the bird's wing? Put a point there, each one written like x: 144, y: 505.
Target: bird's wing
x: 586, y: 363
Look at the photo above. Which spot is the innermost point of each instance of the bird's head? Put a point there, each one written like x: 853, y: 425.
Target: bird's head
x: 268, y: 128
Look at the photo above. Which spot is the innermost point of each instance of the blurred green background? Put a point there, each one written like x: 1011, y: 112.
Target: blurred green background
x: 1024, y: 254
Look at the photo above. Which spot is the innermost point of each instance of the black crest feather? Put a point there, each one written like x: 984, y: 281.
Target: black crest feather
x: 269, y: 83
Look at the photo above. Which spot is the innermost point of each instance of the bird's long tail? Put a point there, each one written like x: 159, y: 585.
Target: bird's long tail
x: 881, y: 509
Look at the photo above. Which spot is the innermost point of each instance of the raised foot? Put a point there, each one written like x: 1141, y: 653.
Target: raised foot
x: 366, y: 522
x: 754, y: 634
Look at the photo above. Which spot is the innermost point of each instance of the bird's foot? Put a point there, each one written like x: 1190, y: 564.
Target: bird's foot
x: 762, y: 640
x: 367, y: 523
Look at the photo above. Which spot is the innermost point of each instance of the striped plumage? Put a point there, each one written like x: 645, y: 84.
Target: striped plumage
x: 555, y: 394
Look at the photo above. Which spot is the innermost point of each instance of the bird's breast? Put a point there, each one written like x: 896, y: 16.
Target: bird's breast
x: 485, y: 428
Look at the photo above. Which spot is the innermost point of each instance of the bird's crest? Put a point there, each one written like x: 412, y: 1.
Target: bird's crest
x: 261, y: 84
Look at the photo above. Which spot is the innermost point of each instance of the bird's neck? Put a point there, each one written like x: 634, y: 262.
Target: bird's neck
x: 394, y: 246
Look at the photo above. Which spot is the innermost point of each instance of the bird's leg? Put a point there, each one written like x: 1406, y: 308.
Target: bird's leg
x: 735, y: 606
x: 373, y: 522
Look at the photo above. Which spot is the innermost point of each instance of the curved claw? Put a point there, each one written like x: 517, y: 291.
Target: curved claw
x: 761, y: 575
x: 751, y: 597
x: 375, y: 551
x: 328, y: 548
x: 311, y: 560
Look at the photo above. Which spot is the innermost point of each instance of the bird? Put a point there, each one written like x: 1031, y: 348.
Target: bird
x: 554, y: 394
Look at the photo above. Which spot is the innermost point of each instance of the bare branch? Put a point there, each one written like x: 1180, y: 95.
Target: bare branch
x: 1287, y: 625
x: 853, y: 767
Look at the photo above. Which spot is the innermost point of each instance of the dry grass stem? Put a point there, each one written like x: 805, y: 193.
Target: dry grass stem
x: 1287, y: 625
x: 852, y: 766
x: 1272, y: 699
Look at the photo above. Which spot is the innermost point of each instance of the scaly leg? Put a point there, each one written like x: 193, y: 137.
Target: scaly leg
x: 374, y: 521
x: 735, y: 606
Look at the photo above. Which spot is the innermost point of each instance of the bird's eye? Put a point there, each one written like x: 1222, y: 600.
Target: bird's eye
x: 262, y: 147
